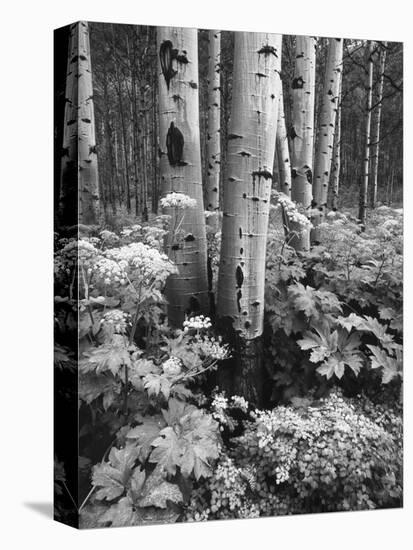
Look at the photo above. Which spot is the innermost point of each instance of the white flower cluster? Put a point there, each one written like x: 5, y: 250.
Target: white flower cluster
x: 249, y: 510
x: 172, y: 367
x: 108, y: 237
x: 212, y: 348
x: 116, y: 320
x: 219, y: 405
x: 131, y: 231
x: 60, y: 266
x: 142, y: 262
x: 291, y: 211
x: 154, y: 236
x: 83, y: 249
x: 108, y: 271
x: 271, y: 422
x: 390, y: 223
x: 75, y: 250
x: 239, y: 402
x: 282, y: 473
x: 177, y: 200
x: 200, y: 322
x: 220, y: 401
x: 230, y: 476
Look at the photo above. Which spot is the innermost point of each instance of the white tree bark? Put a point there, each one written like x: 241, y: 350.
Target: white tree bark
x: 247, y: 188
x: 79, y: 190
x: 365, y: 182
x: 282, y: 149
x: 325, y: 142
x: 186, y: 292
x: 376, y: 145
x: 336, y: 162
x: 302, y: 134
x: 214, y: 127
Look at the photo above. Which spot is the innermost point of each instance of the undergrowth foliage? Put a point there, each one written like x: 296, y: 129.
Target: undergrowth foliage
x: 155, y: 446
x: 341, y: 303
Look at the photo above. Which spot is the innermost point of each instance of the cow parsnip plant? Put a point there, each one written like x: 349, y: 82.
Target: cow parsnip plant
x: 342, y: 302
x: 136, y: 376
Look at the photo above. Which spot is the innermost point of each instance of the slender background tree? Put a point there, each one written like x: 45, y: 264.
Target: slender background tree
x: 302, y: 133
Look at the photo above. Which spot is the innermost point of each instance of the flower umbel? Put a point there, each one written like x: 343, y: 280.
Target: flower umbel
x: 177, y: 200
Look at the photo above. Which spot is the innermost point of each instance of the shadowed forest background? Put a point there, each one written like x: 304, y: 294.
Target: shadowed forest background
x: 228, y: 274
x: 126, y: 99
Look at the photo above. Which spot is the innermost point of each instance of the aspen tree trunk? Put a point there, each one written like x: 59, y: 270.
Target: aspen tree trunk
x: 68, y: 200
x: 79, y: 190
x: 247, y: 188
x: 118, y: 86
x: 282, y: 149
x: 325, y: 142
x: 134, y: 122
x: 87, y: 157
x: 302, y: 133
x: 109, y: 144
x: 186, y: 292
x: 376, y: 144
x: 336, y: 163
x: 214, y: 127
x: 155, y: 149
x: 365, y: 181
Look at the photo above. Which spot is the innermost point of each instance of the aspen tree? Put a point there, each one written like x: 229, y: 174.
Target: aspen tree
x: 214, y: 127
x: 365, y: 181
x: 246, y: 198
x: 376, y: 144
x: 302, y: 133
x: 282, y: 149
x: 325, y: 142
x: 180, y: 168
x: 79, y: 190
x: 336, y: 161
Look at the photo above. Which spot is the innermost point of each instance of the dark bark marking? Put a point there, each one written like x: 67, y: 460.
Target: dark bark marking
x: 297, y: 83
x: 268, y: 50
x: 166, y: 54
x: 239, y: 296
x: 174, y: 145
x: 266, y: 174
x: 239, y: 276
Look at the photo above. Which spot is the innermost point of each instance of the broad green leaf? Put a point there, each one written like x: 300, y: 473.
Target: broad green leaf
x: 168, y: 451
x: 137, y: 482
x: 91, y: 386
x: 157, y: 492
x: 111, y: 478
x: 176, y: 410
x: 110, y: 356
x: 304, y: 299
x: 120, y: 514
x: 145, y: 434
